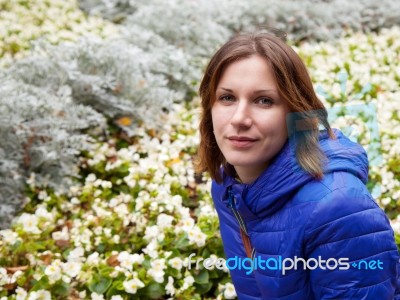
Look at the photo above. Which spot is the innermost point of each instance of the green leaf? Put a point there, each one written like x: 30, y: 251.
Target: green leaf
x: 115, y: 289
x: 42, y: 284
x: 101, y: 248
x: 99, y: 284
x: 203, y: 288
x: 202, y: 278
x: 174, y: 273
x: 397, y: 238
x: 182, y: 243
x: 153, y: 291
x: 105, y: 270
x: 205, y: 253
x: 215, y: 273
x: 61, y: 288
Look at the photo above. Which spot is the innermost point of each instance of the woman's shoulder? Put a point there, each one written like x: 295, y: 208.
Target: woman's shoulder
x: 340, y: 198
x: 342, y: 201
x: 335, y: 187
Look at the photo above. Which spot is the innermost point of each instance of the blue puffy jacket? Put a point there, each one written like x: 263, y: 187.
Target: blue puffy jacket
x: 290, y: 215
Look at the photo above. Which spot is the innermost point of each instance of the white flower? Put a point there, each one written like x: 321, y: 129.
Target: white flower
x: 73, y: 190
x: 9, y: 236
x: 151, y: 249
x: 107, y: 232
x: 130, y: 181
x: 21, y: 294
x: 53, y: 272
x: 98, y: 230
x: 164, y: 221
x: 61, y: 235
x: 37, y: 276
x: 42, y: 195
x: 167, y: 254
x: 100, y: 211
x: 116, y: 297
x: 157, y: 270
x: 151, y: 232
x: 208, y: 210
x: 116, y: 239
x: 29, y: 223
x: 31, y: 180
x: 15, y: 276
x: 184, y: 225
x: 176, y: 200
x: 127, y: 260
x: 41, y: 212
x: 386, y: 201
x: 229, y: 292
x: 90, y: 178
x: 197, y: 236
x: 395, y: 225
x: 131, y: 286
x: 169, y: 288
x: 95, y: 296
x: 3, y: 276
x: 113, y: 202
x: 176, y: 263
x: 93, y: 259
x: 82, y: 294
x: 106, y: 184
x: 187, y: 282
x: 39, y: 295
x: 72, y: 268
x: 153, y: 206
x: 76, y: 254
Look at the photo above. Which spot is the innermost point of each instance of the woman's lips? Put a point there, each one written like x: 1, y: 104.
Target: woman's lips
x: 241, y: 141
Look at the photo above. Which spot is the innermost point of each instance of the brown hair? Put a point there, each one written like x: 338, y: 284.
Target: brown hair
x: 294, y: 86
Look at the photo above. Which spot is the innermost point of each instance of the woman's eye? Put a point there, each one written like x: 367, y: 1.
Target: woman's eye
x: 265, y: 101
x: 226, y: 98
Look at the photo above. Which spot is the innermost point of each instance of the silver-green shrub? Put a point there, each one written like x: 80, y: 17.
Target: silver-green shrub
x: 304, y: 19
x: 46, y: 101
x: 41, y: 135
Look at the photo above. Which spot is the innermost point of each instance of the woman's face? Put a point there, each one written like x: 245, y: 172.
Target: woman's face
x: 249, y: 118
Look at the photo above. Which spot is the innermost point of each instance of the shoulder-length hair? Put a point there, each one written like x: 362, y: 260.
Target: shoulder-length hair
x: 294, y: 86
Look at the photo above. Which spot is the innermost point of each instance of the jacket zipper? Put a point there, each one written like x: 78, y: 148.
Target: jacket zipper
x: 231, y: 205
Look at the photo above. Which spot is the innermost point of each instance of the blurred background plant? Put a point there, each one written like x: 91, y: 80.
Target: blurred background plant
x: 98, y: 125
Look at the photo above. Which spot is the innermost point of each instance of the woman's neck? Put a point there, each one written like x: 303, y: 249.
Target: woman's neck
x: 248, y: 175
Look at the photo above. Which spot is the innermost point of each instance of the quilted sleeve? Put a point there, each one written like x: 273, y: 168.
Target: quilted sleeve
x: 350, y: 237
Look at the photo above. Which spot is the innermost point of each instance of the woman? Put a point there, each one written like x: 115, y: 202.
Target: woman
x: 291, y: 198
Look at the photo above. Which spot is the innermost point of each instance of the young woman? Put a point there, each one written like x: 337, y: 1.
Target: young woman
x: 296, y: 219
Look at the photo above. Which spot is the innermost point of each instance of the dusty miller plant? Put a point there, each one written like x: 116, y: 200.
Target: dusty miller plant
x: 118, y: 78
x: 48, y: 99
x: 41, y: 134
x: 302, y: 20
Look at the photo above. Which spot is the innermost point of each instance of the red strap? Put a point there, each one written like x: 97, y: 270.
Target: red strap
x: 246, y: 243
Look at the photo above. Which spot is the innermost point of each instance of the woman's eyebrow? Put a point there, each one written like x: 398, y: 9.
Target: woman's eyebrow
x: 225, y: 89
x: 254, y: 92
x: 265, y: 91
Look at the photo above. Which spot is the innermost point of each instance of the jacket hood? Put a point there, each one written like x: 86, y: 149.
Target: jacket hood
x: 283, y: 177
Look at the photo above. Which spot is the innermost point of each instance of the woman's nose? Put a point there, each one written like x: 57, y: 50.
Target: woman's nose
x: 241, y: 117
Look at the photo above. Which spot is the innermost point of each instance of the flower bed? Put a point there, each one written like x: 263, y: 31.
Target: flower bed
x: 128, y: 227
x: 55, y: 21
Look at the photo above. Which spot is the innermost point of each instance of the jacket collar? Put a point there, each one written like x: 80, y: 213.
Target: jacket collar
x: 284, y: 177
